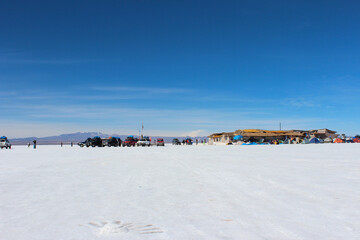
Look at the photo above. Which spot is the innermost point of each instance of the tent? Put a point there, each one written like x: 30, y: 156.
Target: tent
x: 356, y: 140
x: 238, y: 137
x: 338, y: 140
x: 314, y: 140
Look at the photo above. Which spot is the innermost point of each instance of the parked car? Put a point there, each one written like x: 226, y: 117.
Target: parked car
x: 160, y: 142
x: 129, y: 142
x: 145, y: 141
x: 96, y: 142
x: 176, y: 141
x: 93, y: 142
x: 86, y: 143
x: 4, y: 143
x: 112, y: 142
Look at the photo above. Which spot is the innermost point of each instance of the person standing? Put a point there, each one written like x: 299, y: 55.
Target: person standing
x: 72, y: 144
x: 61, y: 144
x: 34, y: 144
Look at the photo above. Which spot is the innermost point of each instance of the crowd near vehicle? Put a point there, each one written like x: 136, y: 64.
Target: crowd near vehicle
x: 160, y: 142
x: 4, y: 143
x: 130, y: 141
x: 176, y: 141
x: 188, y: 141
x: 145, y: 141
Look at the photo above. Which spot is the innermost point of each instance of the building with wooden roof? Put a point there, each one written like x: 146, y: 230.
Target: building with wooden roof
x: 221, y: 138
x: 268, y: 135
x: 323, y: 133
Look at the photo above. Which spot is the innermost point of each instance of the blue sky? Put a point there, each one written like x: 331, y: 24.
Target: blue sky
x: 180, y: 67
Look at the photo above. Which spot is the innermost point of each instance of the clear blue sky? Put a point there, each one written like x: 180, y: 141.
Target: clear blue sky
x: 180, y: 67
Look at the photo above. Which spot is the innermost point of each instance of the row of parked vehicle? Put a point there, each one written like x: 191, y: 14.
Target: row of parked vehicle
x: 130, y: 141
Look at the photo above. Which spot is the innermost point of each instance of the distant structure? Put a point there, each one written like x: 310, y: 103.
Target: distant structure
x: 268, y: 135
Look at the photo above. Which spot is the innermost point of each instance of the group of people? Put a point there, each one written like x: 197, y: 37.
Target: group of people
x: 61, y: 144
x: 188, y: 141
x: 34, y: 143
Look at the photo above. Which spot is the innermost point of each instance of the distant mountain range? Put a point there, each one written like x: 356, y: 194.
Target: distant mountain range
x: 80, y: 137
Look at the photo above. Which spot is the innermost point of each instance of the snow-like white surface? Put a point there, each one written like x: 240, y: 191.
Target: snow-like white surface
x: 181, y: 192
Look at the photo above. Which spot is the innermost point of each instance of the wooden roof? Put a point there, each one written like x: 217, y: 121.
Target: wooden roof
x: 261, y: 133
x: 292, y: 134
x: 267, y: 133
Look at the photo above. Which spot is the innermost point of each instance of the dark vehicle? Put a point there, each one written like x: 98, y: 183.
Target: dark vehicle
x: 129, y: 142
x: 96, y: 142
x: 160, y: 142
x: 188, y: 141
x: 113, y: 142
x: 86, y: 143
x: 93, y: 142
x: 176, y: 141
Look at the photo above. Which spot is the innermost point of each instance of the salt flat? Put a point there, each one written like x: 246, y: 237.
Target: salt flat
x: 181, y: 192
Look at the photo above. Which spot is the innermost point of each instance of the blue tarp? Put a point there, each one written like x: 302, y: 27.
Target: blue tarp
x: 252, y: 143
x: 314, y: 140
x: 238, y: 137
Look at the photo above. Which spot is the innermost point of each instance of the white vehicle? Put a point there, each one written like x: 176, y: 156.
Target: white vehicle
x: 4, y: 143
x: 143, y: 142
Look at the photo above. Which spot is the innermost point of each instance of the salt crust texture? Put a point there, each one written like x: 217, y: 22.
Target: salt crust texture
x: 181, y: 192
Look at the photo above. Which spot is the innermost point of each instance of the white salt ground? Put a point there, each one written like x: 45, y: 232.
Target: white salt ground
x: 181, y: 192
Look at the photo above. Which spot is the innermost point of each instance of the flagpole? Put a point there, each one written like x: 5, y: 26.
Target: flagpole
x: 142, y: 129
